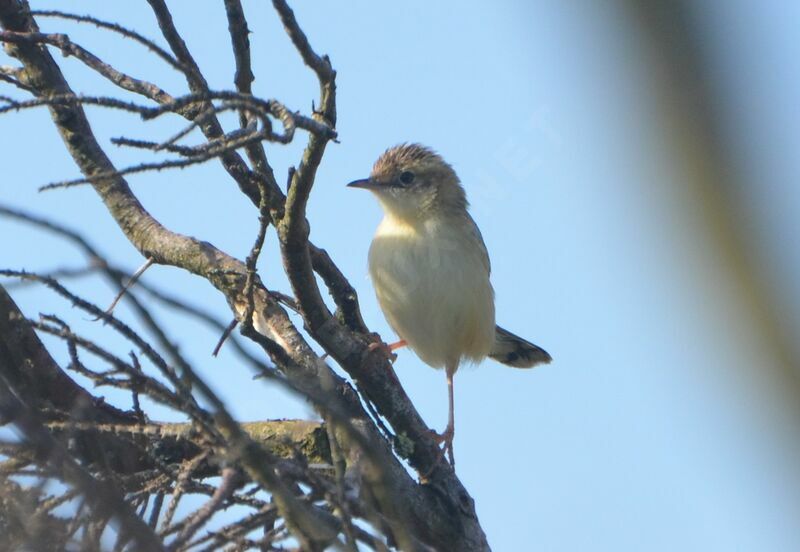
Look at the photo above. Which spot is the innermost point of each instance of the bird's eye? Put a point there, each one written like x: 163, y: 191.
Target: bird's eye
x: 406, y: 177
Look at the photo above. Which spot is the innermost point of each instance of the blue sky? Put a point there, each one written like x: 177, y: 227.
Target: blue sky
x: 662, y: 423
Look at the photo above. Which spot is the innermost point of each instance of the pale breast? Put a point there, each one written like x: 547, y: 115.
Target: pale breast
x: 432, y: 282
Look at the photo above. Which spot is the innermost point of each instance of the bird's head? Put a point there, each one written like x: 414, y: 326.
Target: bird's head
x: 413, y: 182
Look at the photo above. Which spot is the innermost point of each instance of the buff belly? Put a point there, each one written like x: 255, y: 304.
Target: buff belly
x: 433, y: 287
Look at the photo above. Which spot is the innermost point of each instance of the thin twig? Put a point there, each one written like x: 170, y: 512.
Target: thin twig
x: 321, y: 65
x: 187, y: 469
x: 131, y: 281
x: 231, y: 479
x: 114, y: 27
x: 228, y: 329
x: 70, y: 48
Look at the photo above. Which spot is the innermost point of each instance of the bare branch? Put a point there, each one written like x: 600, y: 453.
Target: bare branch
x: 114, y: 27
x: 243, y: 78
x: 116, y: 275
x: 34, y: 375
x: 69, y: 48
x: 237, y: 27
x: 10, y: 75
x: 230, y: 480
x: 197, y: 83
x: 440, y: 512
x: 101, y: 495
x: 320, y: 65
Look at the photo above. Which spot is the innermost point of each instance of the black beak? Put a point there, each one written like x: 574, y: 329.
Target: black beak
x: 364, y: 183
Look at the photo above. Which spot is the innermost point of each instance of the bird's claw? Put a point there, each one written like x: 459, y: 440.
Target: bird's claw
x: 383, y: 348
x: 387, y: 349
x: 445, y: 439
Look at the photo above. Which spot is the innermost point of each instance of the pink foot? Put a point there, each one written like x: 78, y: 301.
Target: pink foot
x: 446, y: 440
x: 386, y: 348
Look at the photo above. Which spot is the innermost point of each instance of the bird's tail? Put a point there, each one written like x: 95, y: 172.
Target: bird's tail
x: 514, y: 351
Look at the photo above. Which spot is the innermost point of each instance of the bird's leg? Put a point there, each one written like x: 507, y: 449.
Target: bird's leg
x: 446, y: 438
x: 450, y: 431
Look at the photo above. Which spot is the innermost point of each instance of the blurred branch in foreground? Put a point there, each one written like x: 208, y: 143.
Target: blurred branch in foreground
x: 692, y: 117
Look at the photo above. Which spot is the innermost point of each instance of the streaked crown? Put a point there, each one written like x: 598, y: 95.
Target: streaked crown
x: 414, y: 178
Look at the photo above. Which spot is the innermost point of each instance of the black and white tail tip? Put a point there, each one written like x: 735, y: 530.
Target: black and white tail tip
x: 512, y: 350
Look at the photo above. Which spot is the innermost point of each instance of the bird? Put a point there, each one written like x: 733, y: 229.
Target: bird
x: 431, y: 271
